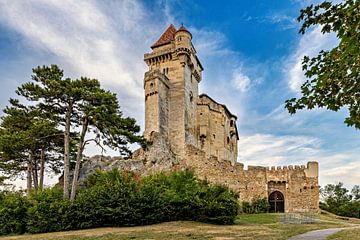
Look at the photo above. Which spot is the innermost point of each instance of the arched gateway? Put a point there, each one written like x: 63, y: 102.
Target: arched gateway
x: 277, y: 202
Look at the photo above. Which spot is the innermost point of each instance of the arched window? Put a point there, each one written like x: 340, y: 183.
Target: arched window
x: 191, y: 97
x: 228, y: 140
x: 231, y: 123
x: 151, y: 85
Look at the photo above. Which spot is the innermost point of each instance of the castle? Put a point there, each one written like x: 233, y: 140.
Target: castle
x: 188, y: 130
x: 191, y: 131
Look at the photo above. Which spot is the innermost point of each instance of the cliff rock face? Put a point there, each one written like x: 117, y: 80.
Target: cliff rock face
x: 157, y: 158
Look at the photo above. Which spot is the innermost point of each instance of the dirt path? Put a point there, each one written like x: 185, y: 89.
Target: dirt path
x: 319, y: 234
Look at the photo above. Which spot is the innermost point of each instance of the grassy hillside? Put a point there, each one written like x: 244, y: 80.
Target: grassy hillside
x: 255, y: 226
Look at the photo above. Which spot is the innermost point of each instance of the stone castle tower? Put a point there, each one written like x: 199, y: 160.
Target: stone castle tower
x: 191, y: 130
x: 173, y: 107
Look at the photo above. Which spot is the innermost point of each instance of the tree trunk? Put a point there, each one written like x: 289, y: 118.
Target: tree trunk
x: 78, y: 158
x: 35, y: 175
x: 67, y: 151
x: 42, y: 169
x: 29, y: 174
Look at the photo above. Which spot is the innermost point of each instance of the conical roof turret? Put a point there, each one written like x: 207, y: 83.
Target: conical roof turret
x: 182, y: 28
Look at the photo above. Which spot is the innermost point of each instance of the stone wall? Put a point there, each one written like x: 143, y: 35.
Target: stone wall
x: 217, y: 134
x: 300, y: 190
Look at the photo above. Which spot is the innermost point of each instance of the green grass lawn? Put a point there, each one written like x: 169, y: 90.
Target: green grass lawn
x: 255, y: 226
x: 349, y: 234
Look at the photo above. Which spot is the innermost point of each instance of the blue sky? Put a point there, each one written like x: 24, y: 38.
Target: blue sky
x: 251, y: 52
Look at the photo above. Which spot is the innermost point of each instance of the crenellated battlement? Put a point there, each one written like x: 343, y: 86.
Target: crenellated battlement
x: 286, y: 168
x: 311, y: 166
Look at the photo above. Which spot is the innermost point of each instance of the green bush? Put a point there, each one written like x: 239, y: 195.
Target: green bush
x: 348, y: 209
x: 121, y: 199
x: 13, y: 212
x: 109, y: 200
x: 118, y: 199
x: 259, y: 205
x: 49, y: 212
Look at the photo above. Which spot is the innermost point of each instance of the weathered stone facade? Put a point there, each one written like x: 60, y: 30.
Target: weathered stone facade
x: 194, y: 131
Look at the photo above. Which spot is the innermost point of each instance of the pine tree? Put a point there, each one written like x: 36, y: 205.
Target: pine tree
x: 80, y: 103
x: 23, y: 134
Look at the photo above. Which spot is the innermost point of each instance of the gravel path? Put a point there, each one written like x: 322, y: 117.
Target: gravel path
x: 318, y: 234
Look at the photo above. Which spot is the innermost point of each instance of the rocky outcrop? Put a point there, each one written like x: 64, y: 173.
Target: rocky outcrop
x: 157, y: 158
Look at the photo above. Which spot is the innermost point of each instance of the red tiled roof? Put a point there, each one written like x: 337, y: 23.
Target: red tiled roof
x: 166, y: 37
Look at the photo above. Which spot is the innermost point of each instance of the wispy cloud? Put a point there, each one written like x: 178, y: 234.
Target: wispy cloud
x: 241, y: 81
x: 282, y: 21
x: 310, y: 44
x: 210, y: 43
x: 271, y: 150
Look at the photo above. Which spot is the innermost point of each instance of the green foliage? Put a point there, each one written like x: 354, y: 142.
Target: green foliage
x: 25, y: 132
x: 120, y: 199
x: 13, y: 212
x: 49, y: 212
x: 157, y: 198
x: 338, y: 200
x: 259, y: 205
x: 80, y: 104
x: 333, y: 76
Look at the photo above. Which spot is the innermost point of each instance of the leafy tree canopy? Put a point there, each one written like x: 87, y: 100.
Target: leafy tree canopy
x: 338, y: 200
x: 333, y: 76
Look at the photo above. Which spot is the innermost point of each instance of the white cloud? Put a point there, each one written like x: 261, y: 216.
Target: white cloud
x: 271, y: 150
x: 241, y: 81
x: 210, y: 43
x: 310, y: 44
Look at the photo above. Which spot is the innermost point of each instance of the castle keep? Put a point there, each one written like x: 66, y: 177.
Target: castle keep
x: 173, y: 107
x: 188, y: 130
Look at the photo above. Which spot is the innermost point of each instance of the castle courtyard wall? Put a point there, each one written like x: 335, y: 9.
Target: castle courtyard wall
x: 300, y: 191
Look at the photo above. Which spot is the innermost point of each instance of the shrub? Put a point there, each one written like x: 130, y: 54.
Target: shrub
x: 246, y: 207
x: 13, y: 212
x: 108, y: 200
x: 259, y: 205
x: 120, y: 199
x: 49, y: 212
